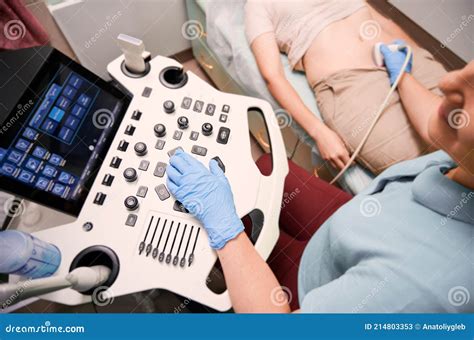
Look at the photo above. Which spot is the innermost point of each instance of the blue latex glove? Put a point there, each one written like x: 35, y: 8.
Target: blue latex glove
x: 207, y: 195
x: 394, y: 60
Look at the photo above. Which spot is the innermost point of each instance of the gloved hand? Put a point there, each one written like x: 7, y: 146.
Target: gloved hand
x: 207, y: 195
x: 394, y: 60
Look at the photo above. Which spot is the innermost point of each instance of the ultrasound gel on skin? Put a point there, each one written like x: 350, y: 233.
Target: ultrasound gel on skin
x: 25, y: 255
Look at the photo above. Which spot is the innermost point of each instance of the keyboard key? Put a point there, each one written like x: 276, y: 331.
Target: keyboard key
x: 8, y: 169
x: 194, y: 135
x: 42, y: 183
x: 40, y: 152
x: 223, y: 118
x: 198, y: 106
x: 186, y: 104
x: 160, y: 169
x: 49, y: 171
x: 72, y: 122
x: 146, y: 92
x: 223, y: 135
x: 30, y: 133
x: 55, y: 159
x: 123, y: 145
x: 49, y: 126
x: 226, y: 108
x: 129, y: 130
x: 210, y: 109
x: 69, y: 92
x: 33, y: 164
x: 58, y: 189
x: 199, y: 150
x: 15, y: 157
x: 162, y: 192
x: 131, y: 220
x: 63, y: 103
x: 64, y: 177
x: 22, y: 145
x: 177, y: 135
x: 26, y: 176
x: 136, y: 115
x: 3, y: 153
x: 160, y: 144
x: 53, y: 92
x: 78, y: 111
x: 115, y: 162
x: 108, y: 180
x: 75, y: 81
x: 144, y: 165
x: 66, y: 134
x: 142, y: 190
x: 56, y: 114
x: 84, y: 100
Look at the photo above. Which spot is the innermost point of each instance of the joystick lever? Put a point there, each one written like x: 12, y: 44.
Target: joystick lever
x: 136, y: 58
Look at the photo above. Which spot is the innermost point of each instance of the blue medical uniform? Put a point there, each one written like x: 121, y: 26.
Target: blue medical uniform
x: 405, y: 244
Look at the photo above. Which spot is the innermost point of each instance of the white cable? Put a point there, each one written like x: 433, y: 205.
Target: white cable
x: 377, y: 116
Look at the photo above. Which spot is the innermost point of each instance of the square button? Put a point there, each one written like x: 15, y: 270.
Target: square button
x: 198, y: 105
x: 226, y: 108
x: 223, y: 118
x: 69, y: 92
x: 72, y: 122
x: 84, y: 100
x: 78, y: 111
x: 39, y: 152
x: 32, y: 164
x: 59, y: 189
x: 136, y: 115
x: 42, y: 183
x: 30, y: 133
x: 131, y: 220
x: 75, y: 81
x: 144, y: 165
x: 15, y: 156
x: 171, y: 152
x: 160, y: 144
x: 186, y: 104
x: 115, y: 162
x: 63, y: 103
x: 49, y: 171
x: 142, y: 190
x: 49, y: 126
x: 55, y: 159
x: 56, y: 114
x: 66, y: 134
x: 194, y: 135
x: 160, y: 169
x: 108, y: 179
x: 129, y: 130
x: 162, y: 192
x: 210, y: 109
x: 199, y: 150
x: 99, y: 198
x: 22, y: 144
x: 123, y: 145
x: 26, y: 176
x: 146, y: 92
x: 177, y: 135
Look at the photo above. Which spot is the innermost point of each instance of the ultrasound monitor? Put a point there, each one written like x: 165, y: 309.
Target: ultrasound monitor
x: 57, y: 121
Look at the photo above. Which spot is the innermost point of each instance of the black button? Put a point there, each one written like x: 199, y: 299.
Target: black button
x: 226, y: 108
x: 130, y: 174
x: 160, y: 144
x: 194, y: 135
x: 168, y: 106
x: 186, y: 104
x: 143, y: 165
x: 115, y: 162
x: 171, y: 152
x: 198, y: 105
x: 206, y: 129
x: 108, y: 179
x: 136, y: 115
x: 162, y: 192
x: 141, y: 192
x: 160, y: 169
x: 129, y: 130
x: 210, y: 109
x: 183, y: 122
x: 131, y: 220
x: 88, y: 226
x: 123, y: 145
x: 131, y: 203
x: 223, y: 136
x: 160, y: 130
x: 178, y: 206
x: 219, y: 162
x: 99, y: 198
x: 140, y: 148
x: 223, y: 118
x: 146, y: 92
x: 177, y: 135
x: 199, y: 150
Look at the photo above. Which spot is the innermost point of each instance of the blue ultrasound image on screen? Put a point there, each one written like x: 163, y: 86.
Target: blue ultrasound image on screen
x: 56, y: 149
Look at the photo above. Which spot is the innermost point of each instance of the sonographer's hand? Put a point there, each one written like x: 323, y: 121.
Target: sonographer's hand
x: 206, y: 194
x: 394, y: 60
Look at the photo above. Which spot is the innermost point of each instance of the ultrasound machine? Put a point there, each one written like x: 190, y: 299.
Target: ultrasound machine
x: 98, y: 151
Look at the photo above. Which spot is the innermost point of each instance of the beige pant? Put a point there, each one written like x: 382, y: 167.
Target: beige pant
x: 349, y: 99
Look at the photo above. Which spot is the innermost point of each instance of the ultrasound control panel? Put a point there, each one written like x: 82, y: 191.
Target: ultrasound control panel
x: 147, y: 236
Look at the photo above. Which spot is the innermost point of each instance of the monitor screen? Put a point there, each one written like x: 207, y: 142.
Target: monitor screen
x: 54, y: 140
